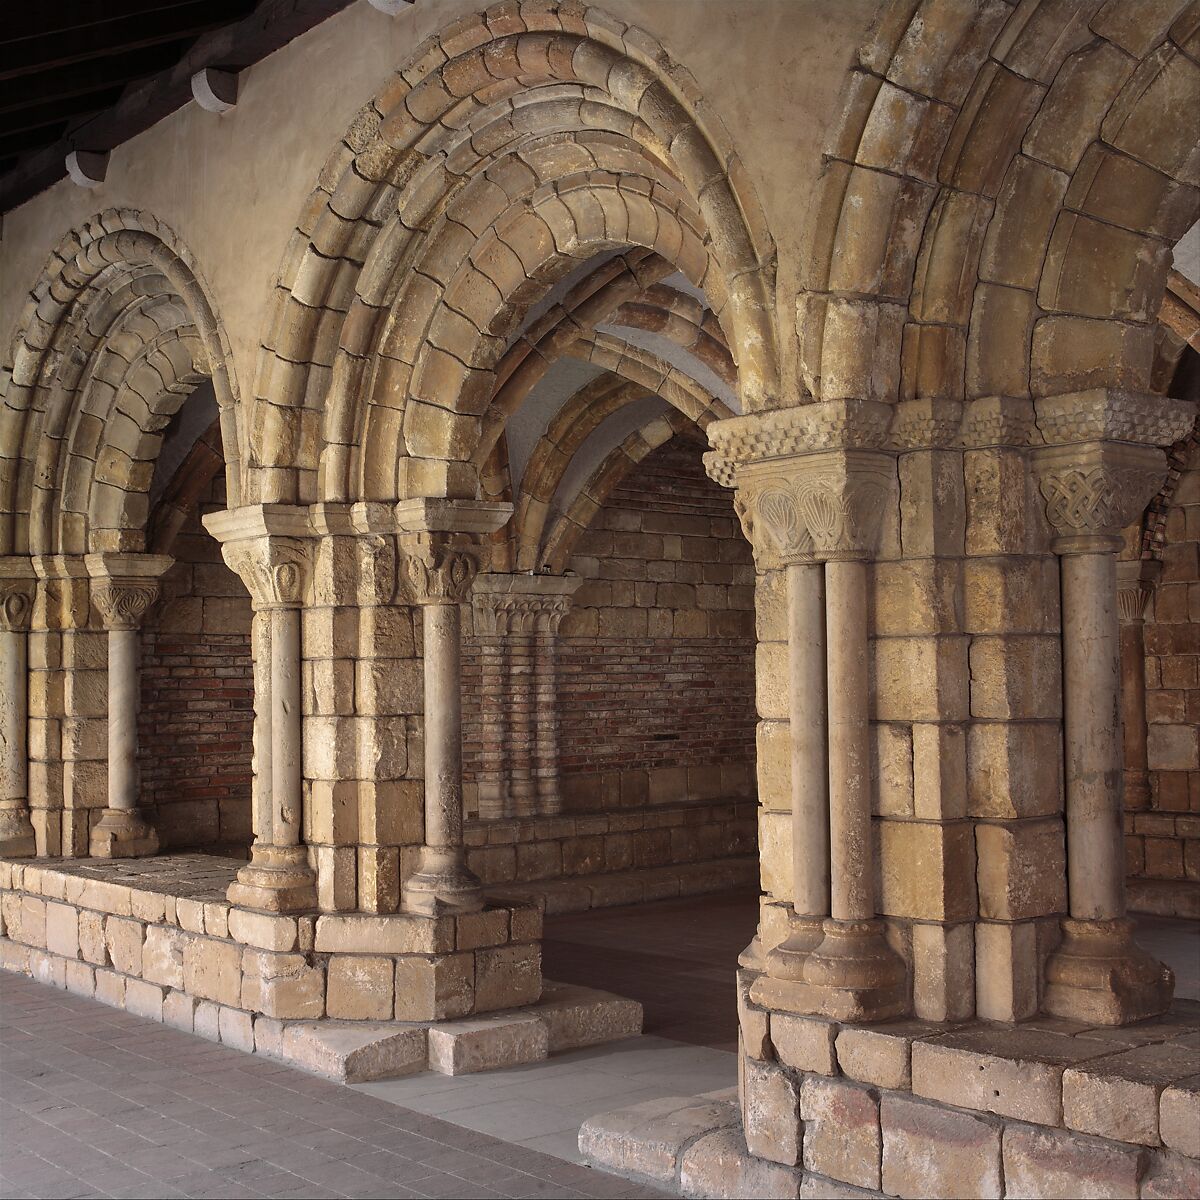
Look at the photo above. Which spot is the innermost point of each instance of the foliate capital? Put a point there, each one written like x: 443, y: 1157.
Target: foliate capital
x: 124, y: 586
x: 1136, y: 579
x: 438, y: 568
x: 522, y: 604
x: 18, y: 588
x: 815, y: 507
x: 1093, y: 490
x: 270, y: 547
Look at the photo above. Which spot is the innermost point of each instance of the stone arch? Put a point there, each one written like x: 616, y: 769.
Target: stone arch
x: 117, y: 331
x: 1000, y: 202
x: 525, y: 106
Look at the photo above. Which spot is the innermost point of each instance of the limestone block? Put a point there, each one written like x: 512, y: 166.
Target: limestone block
x: 48, y: 968
x: 397, y: 933
x: 434, y: 988
x: 770, y: 605
x: 920, y: 596
x: 486, y: 1043
x: 360, y: 987
x: 62, y: 930
x: 774, y: 765
x: 80, y: 979
x: 1006, y: 971
x: 933, y: 1152
x: 354, y: 1054
x: 771, y: 1112
x: 1011, y: 594
x: 144, y: 999
x: 124, y: 939
x: 390, y: 812
x: 1170, y: 1176
x: 268, y: 1036
x: 1173, y: 747
x: 920, y: 678
x: 1118, y: 1097
x: 487, y: 928
x: 190, y: 914
x: 282, y: 985
x: 206, y: 1020
x: 110, y: 988
x: 1179, y: 1116
x: 892, y: 767
x: 31, y: 923
x: 1000, y: 512
x: 1052, y: 1162
x: 1014, y: 769
x: 943, y: 961
x: 927, y: 870
x: 932, y: 507
x: 162, y: 955
x: 939, y: 770
x: 212, y: 970
x: 179, y: 1011
x: 580, y: 1016
x: 841, y: 1131
x: 805, y: 1043
x: 236, y: 1028
x: 718, y: 1165
x: 267, y: 931
x: 881, y: 1056
x: 754, y: 1023
x: 646, y: 1139
x: 775, y: 852
x: 1016, y: 676
x: 771, y: 680
x: 1022, y: 869
x: 507, y: 977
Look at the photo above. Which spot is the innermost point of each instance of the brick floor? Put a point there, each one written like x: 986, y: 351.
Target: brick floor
x: 96, y: 1102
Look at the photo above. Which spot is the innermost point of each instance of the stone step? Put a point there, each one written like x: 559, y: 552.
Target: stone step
x: 579, y: 893
x: 1164, y: 897
x: 566, y: 1018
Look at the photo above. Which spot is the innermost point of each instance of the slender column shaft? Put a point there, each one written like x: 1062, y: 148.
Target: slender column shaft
x: 807, y: 672
x: 16, y: 830
x: 545, y: 691
x: 263, y: 785
x: 1092, y: 675
x: 849, y: 742
x: 286, y: 726
x: 493, y: 719
x: 1133, y: 709
x: 443, y: 727
x: 123, y: 686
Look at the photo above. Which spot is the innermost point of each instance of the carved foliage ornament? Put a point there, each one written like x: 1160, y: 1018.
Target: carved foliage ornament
x: 275, y: 570
x: 122, y: 603
x: 435, y: 571
x: 498, y: 613
x: 16, y: 604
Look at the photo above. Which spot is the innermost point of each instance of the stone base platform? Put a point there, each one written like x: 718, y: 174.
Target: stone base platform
x: 612, y: 888
x: 908, y: 1108
x: 1164, y: 897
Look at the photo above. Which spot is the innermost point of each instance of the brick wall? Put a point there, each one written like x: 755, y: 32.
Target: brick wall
x: 1165, y: 841
x: 656, y: 658
x: 197, y: 715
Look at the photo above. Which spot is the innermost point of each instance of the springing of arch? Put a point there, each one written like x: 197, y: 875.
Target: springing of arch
x: 117, y: 332
x: 517, y: 144
x: 1000, y: 203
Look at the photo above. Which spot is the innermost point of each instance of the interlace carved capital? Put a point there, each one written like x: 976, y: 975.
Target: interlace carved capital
x: 438, y: 568
x: 277, y: 571
x: 1093, y: 490
x: 815, y: 507
x: 18, y: 589
x: 124, y: 586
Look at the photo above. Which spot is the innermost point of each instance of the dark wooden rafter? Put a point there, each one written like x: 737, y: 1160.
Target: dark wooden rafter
x: 87, y: 75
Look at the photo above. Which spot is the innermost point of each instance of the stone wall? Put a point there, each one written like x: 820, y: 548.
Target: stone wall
x: 656, y: 656
x: 197, y: 716
x: 1164, y: 842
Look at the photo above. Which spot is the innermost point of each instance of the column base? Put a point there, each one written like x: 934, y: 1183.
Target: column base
x: 1101, y: 976
x: 277, y: 879
x: 851, y: 975
x: 787, y: 960
x: 122, y: 833
x: 443, y: 884
x: 16, y: 833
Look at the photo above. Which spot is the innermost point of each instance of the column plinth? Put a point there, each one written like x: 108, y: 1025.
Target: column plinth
x: 123, y: 589
x: 1098, y: 471
x: 17, y: 584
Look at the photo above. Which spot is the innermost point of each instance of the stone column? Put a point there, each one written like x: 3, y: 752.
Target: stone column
x: 1094, y: 485
x: 270, y: 547
x: 441, y: 544
x: 124, y: 586
x: 1135, y: 585
x: 17, y: 587
x: 524, y: 611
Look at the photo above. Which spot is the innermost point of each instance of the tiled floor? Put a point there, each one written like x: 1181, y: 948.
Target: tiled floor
x: 95, y: 1102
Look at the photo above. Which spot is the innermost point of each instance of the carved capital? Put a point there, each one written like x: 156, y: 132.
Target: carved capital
x: 124, y: 586
x: 438, y: 568
x: 1093, y: 490
x: 818, y: 507
x: 522, y: 604
x: 18, y: 589
x: 277, y: 571
x: 1136, y: 579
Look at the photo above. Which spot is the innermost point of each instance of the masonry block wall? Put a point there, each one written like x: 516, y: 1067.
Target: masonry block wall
x: 1164, y: 842
x: 197, y: 716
